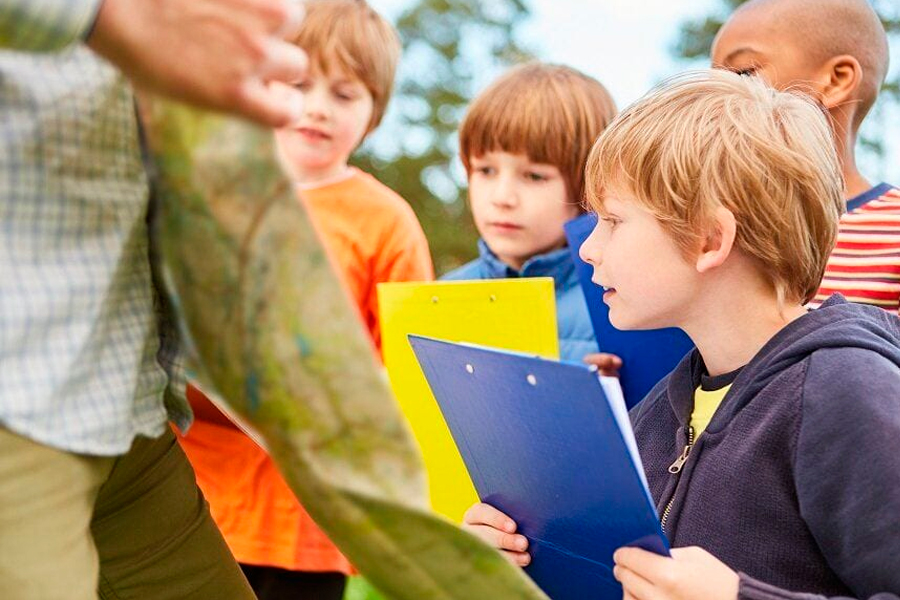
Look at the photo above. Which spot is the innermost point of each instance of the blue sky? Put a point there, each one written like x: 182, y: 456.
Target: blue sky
x: 626, y: 44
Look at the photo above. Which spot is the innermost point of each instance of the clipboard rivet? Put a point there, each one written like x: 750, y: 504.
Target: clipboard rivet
x: 470, y: 369
x: 493, y: 298
x: 531, y: 379
x: 434, y: 299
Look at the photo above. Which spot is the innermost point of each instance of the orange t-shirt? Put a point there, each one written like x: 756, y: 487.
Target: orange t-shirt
x: 372, y: 235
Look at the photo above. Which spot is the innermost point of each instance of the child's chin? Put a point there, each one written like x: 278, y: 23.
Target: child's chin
x: 619, y: 322
x: 625, y: 322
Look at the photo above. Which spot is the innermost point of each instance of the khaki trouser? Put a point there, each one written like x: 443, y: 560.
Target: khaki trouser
x: 76, y: 527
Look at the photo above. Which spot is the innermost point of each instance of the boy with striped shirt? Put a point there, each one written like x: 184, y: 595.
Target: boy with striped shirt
x: 837, y: 51
x: 865, y: 263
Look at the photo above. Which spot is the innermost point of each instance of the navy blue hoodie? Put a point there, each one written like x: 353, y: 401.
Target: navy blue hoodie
x: 795, y: 483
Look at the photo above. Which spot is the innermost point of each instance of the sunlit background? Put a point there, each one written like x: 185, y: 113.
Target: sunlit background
x: 453, y: 48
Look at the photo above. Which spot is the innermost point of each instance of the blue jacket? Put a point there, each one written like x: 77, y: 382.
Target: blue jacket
x: 576, y: 335
x: 796, y: 481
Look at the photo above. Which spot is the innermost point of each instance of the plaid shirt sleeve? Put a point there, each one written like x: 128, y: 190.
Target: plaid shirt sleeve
x: 45, y: 25
x: 88, y: 352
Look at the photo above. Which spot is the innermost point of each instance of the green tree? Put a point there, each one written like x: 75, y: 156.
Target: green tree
x: 450, y: 48
x: 696, y: 36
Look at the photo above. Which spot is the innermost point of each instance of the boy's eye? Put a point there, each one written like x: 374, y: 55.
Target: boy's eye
x: 485, y: 170
x: 746, y: 72
x: 536, y: 177
x: 344, y: 95
x: 610, y: 221
x: 303, y: 86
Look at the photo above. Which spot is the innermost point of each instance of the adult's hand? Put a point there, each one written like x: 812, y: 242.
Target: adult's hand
x: 216, y: 54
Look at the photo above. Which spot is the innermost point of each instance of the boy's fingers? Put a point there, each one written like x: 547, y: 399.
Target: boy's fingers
x: 514, y: 542
x: 687, y: 552
x: 603, y: 360
x: 642, y: 563
x: 635, y: 586
x: 485, y: 514
x: 520, y: 559
x: 498, y: 539
x: 607, y: 364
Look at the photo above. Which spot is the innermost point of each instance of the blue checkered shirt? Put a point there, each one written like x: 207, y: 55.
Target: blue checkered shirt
x: 84, y: 345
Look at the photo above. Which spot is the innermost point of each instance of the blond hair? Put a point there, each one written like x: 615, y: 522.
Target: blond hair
x: 350, y: 35
x: 551, y: 113
x: 710, y: 139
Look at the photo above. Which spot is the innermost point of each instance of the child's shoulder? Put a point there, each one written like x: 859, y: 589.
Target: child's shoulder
x: 471, y: 270
x: 850, y: 405
x: 881, y: 200
x: 852, y: 373
x: 851, y: 350
x: 378, y: 195
x: 372, y: 202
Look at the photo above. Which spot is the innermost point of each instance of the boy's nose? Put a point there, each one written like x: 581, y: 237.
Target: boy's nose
x: 505, y: 193
x: 590, y: 250
x: 315, y: 105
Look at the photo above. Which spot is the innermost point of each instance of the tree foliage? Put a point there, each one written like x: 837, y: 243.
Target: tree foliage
x: 449, y: 47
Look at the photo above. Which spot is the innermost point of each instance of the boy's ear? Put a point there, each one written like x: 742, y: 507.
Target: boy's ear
x: 841, y: 77
x: 719, y: 241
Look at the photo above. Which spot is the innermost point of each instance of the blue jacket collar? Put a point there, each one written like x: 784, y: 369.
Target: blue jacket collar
x: 556, y: 263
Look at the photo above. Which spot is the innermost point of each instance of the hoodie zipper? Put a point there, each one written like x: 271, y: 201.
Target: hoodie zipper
x: 675, y: 469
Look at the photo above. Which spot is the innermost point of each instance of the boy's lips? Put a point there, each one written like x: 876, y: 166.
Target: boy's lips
x: 504, y: 226
x: 607, y: 291
x: 312, y: 133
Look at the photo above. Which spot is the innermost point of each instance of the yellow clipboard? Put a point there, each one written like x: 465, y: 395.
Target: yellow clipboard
x: 512, y: 314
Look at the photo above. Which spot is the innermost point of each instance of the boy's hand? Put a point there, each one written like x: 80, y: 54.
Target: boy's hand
x: 690, y: 573
x: 216, y: 54
x: 499, y: 531
x: 607, y: 364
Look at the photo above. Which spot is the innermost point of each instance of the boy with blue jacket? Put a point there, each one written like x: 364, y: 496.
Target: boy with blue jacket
x: 772, y: 449
x: 524, y: 143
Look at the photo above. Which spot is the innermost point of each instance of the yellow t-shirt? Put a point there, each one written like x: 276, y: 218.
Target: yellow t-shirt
x: 705, y: 405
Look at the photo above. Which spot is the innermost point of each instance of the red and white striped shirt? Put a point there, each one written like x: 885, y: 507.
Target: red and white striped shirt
x: 865, y: 264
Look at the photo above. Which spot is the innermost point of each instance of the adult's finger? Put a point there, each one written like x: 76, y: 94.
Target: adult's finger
x: 267, y: 105
x: 280, y: 18
x: 293, y: 21
x: 282, y: 62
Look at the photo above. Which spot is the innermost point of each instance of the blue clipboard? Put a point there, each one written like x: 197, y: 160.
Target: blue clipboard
x: 544, y: 445
x: 647, y: 356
